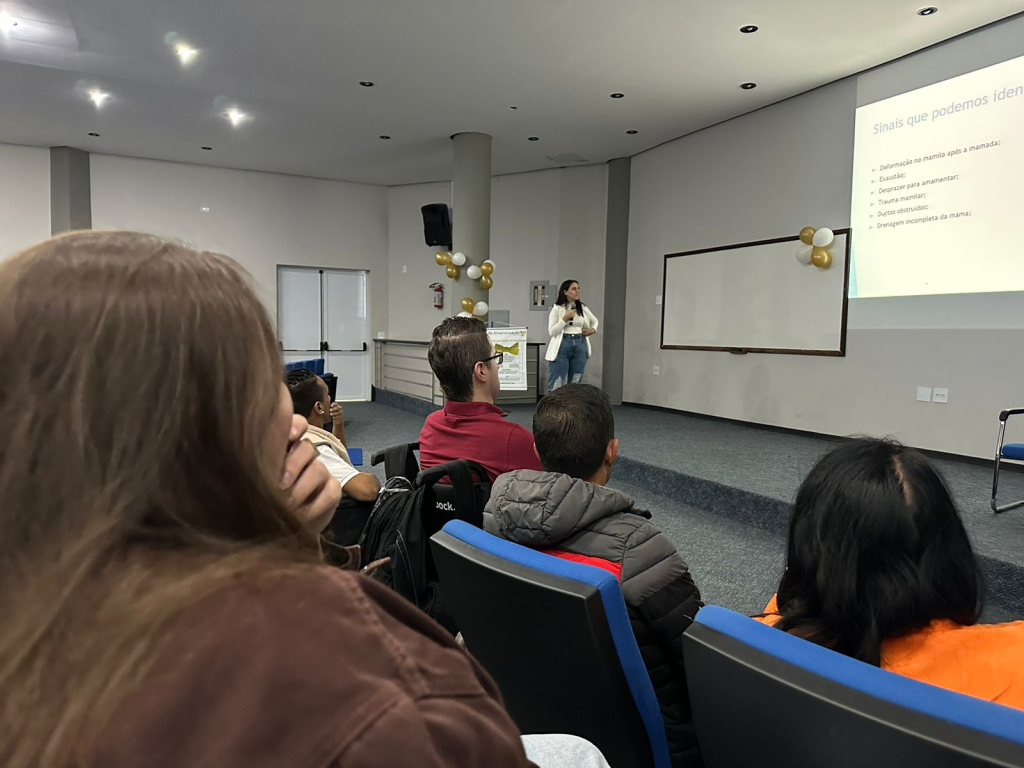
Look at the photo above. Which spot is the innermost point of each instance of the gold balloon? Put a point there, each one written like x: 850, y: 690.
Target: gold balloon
x: 807, y: 235
x: 443, y: 257
x: 486, y: 268
x: 486, y: 282
x: 468, y: 304
x: 452, y: 271
x: 821, y: 258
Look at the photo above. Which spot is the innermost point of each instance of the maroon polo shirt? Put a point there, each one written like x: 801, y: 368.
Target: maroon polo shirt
x: 477, y: 431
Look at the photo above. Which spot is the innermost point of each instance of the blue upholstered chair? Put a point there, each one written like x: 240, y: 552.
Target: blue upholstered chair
x: 556, y: 637
x: 1004, y: 452
x: 762, y: 697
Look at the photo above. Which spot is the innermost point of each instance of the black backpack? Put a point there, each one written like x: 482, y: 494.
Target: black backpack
x: 404, y: 518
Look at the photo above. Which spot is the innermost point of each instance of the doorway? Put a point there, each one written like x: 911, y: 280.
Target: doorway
x: 324, y: 313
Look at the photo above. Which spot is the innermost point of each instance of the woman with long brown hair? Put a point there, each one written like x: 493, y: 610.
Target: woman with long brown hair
x: 161, y: 594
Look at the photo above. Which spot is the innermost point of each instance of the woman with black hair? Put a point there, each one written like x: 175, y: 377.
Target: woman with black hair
x: 571, y: 324
x: 879, y: 567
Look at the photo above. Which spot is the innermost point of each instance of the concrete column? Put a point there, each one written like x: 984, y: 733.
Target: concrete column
x: 471, y: 210
x: 613, y: 324
x: 70, y: 195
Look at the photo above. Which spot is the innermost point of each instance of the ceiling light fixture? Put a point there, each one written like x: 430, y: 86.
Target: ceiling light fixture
x: 534, y: 138
x: 7, y: 22
x: 748, y: 86
x: 931, y: 10
x: 618, y: 95
x: 632, y: 133
x: 186, y: 53
x: 94, y: 135
x: 384, y: 136
x: 236, y: 116
x: 748, y: 29
x: 366, y: 84
x: 97, y: 97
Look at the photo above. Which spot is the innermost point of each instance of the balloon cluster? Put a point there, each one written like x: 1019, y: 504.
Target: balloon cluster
x: 816, y: 247
x: 472, y: 308
x: 452, y: 263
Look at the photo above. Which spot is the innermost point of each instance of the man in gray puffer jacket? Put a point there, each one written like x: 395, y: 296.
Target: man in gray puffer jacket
x: 567, y: 512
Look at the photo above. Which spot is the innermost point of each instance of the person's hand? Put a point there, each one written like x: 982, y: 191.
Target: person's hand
x: 568, y: 315
x: 310, y: 492
x: 589, y: 332
x: 337, y: 413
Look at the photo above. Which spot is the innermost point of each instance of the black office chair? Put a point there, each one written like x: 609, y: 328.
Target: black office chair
x: 762, y: 697
x: 556, y: 637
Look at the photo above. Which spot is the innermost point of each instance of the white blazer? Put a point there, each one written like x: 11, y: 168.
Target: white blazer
x: 556, y: 325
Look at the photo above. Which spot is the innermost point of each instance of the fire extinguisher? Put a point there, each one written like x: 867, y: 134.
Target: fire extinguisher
x: 438, y: 295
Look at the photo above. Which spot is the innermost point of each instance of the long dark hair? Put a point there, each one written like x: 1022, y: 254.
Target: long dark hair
x: 876, y: 549
x: 563, y: 301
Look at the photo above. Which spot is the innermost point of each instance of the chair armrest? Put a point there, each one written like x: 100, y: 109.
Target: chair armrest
x: 378, y: 456
x: 1008, y: 412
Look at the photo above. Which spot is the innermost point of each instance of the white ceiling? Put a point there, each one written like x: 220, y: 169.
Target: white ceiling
x: 439, y: 67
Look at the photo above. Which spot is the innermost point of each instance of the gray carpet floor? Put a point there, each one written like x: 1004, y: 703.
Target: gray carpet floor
x: 721, y: 493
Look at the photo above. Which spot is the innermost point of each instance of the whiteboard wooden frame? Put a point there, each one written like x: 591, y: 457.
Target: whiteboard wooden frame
x: 840, y: 352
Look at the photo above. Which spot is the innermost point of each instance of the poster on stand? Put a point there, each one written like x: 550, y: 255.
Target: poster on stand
x: 511, y: 342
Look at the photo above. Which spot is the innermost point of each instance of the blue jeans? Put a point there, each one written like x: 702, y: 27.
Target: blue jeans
x: 568, y: 367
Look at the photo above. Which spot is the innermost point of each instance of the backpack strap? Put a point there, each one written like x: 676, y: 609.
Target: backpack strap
x: 461, y: 473
x: 399, y: 461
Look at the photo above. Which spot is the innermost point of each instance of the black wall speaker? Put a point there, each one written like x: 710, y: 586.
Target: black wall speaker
x: 437, y: 225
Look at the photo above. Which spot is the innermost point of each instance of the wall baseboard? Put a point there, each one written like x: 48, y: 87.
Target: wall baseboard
x: 1007, y: 467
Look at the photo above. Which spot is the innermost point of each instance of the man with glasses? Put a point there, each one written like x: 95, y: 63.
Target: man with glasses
x: 471, y: 426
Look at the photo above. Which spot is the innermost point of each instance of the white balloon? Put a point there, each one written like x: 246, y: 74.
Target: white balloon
x: 473, y: 272
x: 465, y: 314
x: 823, y: 237
x: 490, y: 262
x: 480, y: 308
x: 458, y: 258
x: 804, y: 254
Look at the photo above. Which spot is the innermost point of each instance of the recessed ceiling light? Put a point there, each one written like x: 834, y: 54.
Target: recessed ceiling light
x: 618, y: 95
x: 384, y: 136
x: 534, y: 138
x: 931, y: 10
x: 513, y: 107
x: 631, y: 133
x: 7, y: 22
x: 748, y: 29
x: 748, y: 86
x: 207, y: 149
x: 94, y: 135
x: 236, y: 116
x: 186, y: 53
x: 366, y: 84
x: 97, y: 97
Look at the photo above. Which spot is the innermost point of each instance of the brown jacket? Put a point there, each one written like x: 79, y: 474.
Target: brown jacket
x: 323, y: 669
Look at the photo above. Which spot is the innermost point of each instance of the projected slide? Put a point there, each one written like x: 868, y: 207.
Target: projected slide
x: 938, y: 188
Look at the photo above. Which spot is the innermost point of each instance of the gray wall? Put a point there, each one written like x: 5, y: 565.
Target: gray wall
x: 767, y: 174
x: 24, y: 197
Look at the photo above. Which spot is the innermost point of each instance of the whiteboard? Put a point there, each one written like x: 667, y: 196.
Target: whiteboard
x: 756, y: 297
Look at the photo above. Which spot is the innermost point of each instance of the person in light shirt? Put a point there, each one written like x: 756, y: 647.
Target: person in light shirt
x: 312, y: 400
x: 571, y: 324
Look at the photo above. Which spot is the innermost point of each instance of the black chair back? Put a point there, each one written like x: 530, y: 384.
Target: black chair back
x: 548, y: 642
x: 761, y: 697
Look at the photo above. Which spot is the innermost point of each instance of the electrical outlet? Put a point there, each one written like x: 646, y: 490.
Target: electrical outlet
x: 380, y: 334
x: 656, y: 371
x: 204, y: 209
x: 405, y: 269
x: 657, y: 300
x: 924, y: 394
x: 940, y: 395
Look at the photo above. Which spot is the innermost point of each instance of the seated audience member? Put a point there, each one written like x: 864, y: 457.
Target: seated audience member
x: 567, y: 512
x: 471, y: 426
x: 880, y: 568
x: 163, y: 604
x: 312, y: 400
